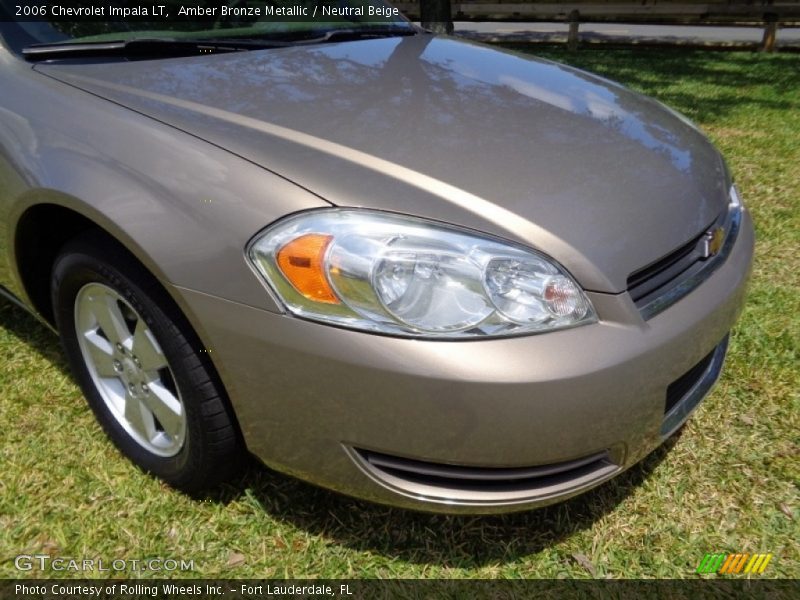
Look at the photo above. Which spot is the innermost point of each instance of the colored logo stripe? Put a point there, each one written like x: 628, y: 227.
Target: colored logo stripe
x: 758, y: 563
x: 734, y: 563
x: 711, y: 563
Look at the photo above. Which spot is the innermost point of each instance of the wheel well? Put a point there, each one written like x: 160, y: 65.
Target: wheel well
x: 41, y: 233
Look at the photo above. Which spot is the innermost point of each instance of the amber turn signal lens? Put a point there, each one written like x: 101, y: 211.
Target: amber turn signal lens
x: 302, y: 262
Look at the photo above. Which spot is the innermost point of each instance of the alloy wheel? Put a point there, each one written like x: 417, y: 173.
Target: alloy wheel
x: 129, y: 370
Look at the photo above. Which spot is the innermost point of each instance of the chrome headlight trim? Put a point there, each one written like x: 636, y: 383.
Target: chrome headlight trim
x: 406, y: 276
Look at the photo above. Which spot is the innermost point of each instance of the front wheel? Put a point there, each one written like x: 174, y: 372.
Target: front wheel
x: 141, y: 368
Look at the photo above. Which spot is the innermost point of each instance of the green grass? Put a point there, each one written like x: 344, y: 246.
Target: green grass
x: 728, y: 483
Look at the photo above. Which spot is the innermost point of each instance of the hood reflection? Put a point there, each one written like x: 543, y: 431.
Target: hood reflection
x: 470, y: 127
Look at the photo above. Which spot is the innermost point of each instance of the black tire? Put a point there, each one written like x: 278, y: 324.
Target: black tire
x: 212, y: 448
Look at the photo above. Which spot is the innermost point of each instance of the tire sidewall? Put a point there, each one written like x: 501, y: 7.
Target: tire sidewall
x: 70, y: 274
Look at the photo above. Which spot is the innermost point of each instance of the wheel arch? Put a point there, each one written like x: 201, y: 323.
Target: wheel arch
x: 39, y: 234
x: 42, y: 231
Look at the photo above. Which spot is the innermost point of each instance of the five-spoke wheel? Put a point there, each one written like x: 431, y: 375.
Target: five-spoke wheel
x: 129, y: 369
x: 141, y: 367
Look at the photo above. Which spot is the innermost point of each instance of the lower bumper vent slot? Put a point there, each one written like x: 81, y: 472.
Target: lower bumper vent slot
x: 681, y: 386
x: 456, y: 483
x: 686, y: 392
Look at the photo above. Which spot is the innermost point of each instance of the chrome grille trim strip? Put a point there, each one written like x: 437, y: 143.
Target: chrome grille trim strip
x: 683, y: 286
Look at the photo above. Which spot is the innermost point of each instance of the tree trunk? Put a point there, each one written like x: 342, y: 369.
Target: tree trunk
x: 436, y: 16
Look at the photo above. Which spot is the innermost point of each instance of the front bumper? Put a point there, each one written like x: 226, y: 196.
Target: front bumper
x: 470, y: 426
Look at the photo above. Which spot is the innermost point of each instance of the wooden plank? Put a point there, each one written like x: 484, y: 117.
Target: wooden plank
x: 574, y: 20
x: 673, y: 12
x: 768, y: 41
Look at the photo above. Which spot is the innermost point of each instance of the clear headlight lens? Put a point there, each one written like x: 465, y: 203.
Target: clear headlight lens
x: 407, y: 276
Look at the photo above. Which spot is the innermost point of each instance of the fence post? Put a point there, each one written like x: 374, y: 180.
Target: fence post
x: 436, y: 15
x: 572, y: 38
x: 770, y: 32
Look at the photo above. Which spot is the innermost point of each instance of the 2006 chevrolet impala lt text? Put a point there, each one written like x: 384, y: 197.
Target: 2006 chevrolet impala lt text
x: 403, y: 266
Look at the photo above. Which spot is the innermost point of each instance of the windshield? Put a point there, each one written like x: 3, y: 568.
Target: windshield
x: 24, y: 24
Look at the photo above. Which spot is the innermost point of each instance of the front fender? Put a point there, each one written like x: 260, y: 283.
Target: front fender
x: 182, y: 206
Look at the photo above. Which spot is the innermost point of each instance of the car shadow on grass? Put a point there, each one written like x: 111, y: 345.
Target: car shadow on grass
x: 448, y: 541
x: 34, y: 334
x: 463, y: 542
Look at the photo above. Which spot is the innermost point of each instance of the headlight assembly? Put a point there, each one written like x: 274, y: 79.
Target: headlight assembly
x: 402, y: 275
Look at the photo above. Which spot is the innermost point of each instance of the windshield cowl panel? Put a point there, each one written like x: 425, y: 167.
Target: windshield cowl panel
x: 203, y: 28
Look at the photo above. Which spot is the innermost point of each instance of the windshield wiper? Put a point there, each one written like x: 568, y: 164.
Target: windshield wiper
x: 332, y: 35
x: 141, y: 48
x: 365, y: 33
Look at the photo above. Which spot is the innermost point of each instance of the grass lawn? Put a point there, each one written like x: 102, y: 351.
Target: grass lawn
x: 728, y: 483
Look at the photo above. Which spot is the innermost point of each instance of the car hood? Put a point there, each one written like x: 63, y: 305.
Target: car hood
x: 602, y: 179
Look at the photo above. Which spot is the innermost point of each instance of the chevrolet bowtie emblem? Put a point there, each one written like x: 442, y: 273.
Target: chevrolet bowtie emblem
x: 713, y: 242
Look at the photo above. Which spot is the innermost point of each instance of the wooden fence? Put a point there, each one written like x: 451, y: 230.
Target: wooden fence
x: 766, y: 13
